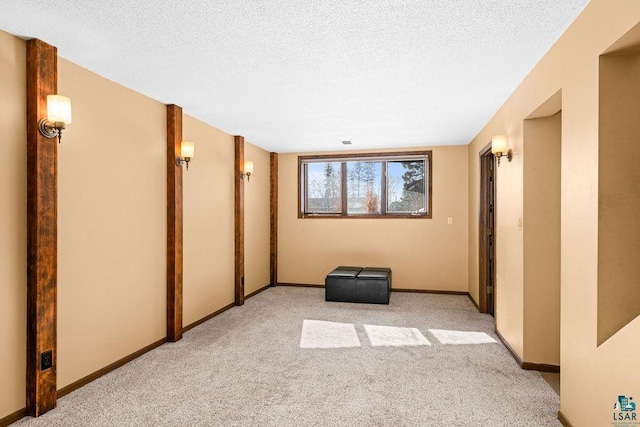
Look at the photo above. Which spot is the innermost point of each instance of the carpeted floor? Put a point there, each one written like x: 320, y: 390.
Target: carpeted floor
x: 246, y: 367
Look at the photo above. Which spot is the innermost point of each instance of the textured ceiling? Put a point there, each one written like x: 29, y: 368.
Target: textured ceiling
x: 296, y: 76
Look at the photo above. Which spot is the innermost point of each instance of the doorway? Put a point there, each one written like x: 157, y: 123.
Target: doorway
x: 487, y: 249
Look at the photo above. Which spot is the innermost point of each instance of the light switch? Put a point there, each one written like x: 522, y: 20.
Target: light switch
x: 450, y: 220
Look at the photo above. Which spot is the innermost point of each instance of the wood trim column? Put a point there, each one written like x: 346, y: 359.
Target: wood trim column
x: 273, y: 157
x: 42, y: 232
x: 239, y: 220
x: 174, y: 224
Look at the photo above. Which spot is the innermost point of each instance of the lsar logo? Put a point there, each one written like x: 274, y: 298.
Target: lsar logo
x: 624, y: 412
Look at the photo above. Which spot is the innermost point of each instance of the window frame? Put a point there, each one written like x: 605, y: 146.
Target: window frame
x: 343, y: 159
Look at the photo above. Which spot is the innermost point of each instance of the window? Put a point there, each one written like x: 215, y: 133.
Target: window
x: 391, y: 185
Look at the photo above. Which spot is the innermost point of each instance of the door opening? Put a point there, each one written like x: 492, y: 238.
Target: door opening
x: 487, y: 249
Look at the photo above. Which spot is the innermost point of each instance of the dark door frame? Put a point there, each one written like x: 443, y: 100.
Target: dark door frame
x: 487, y: 232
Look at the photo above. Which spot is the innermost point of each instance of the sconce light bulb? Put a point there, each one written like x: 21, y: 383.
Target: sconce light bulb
x: 247, y: 170
x: 58, y: 109
x: 58, y: 116
x: 499, y: 144
x: 187, y: 149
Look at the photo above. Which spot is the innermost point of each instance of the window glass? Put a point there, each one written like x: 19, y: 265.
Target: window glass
x: 324, y: 187
x: 406, y: 186
x: 363, y: 187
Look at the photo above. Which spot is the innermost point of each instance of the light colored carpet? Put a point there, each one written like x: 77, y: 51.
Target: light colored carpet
x: 250, y: 367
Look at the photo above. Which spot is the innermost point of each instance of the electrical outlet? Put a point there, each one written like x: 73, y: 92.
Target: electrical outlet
x: 46, y: 360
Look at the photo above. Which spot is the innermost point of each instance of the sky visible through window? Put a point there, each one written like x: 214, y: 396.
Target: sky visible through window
x: 316, y: 173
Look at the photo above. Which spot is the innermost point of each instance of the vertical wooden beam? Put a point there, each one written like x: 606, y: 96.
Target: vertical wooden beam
x: 174, y: 224
x: 273, y: 157
x: 42, y: 233
x: 343, y: 189
x: 239, y: 219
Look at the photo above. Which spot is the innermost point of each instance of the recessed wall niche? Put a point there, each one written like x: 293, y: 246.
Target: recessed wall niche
x: 542, y: 133
x: 619, y: 186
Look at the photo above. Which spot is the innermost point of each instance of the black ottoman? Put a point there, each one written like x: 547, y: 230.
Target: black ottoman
x: 370, y: 285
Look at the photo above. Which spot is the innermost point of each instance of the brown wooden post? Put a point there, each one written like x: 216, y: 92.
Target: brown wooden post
x: 273, y: 157
x: 239, y: 220
x: 42, y: 220
x: 174, y: 224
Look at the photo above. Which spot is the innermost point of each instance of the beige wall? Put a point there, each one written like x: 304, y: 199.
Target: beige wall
x: 591, y: 377
x: 208, y: 265
x: 111, y: 224
x: 13, y: 224
x: 257, y: 221
x: 422, y: 253
x: 619, y: 193
x: 541, y: 270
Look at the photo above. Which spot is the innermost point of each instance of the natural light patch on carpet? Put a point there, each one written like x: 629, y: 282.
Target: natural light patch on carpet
x: 321, y: 334
x: 461, y: 337
x: 392, y: 336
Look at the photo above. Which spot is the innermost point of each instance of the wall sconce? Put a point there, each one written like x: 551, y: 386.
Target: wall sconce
x: 499, y: 147
x: 248, y: 170
x: 187, y: 151
x: 58, y: 116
